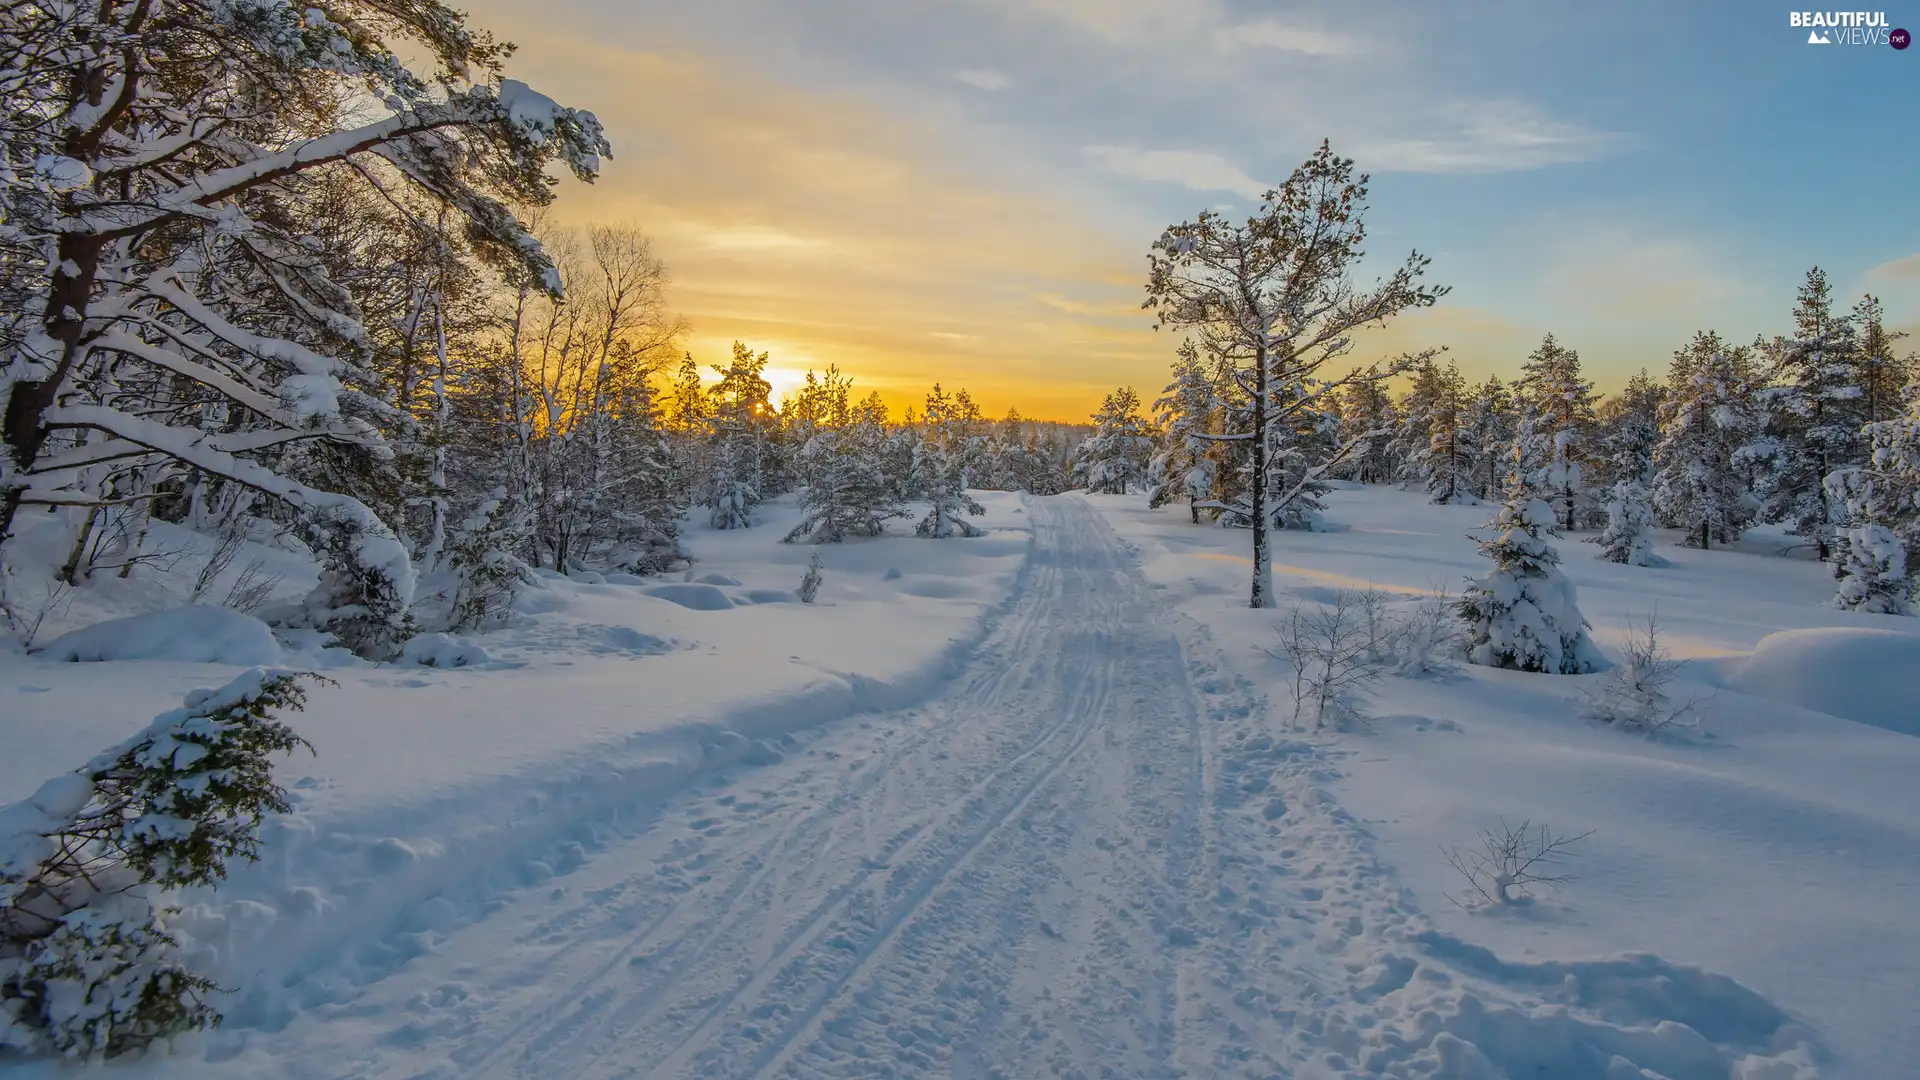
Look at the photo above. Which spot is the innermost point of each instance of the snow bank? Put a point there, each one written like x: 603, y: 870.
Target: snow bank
x: 1868, y: 676
x: 200, y: 635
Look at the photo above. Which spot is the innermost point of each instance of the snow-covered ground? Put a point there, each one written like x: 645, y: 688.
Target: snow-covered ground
x: 1030, y: 805
x: 1780, y: 847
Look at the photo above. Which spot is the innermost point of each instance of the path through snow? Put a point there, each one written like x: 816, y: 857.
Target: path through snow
x: 1088, y: 856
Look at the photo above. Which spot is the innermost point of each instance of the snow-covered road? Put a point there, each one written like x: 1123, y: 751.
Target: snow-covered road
x: 1089, y: 855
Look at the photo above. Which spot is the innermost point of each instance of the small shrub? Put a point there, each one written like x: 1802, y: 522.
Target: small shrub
x: 87, y: 966
x: 1511, y: 861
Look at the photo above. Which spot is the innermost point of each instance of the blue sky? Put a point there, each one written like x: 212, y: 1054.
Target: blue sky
x: 967, y: 189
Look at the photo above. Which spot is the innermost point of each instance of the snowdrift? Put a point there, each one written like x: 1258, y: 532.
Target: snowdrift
x: 195, y: 635
x: 1867, y: 676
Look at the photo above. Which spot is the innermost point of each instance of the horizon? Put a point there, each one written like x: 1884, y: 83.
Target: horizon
x: 966, y: 194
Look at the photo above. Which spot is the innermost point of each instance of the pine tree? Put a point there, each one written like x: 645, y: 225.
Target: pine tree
x: 1242, y: 289
x: 844, y: 487
x: 1489, y: 422
x: 1707, y: 420
x: 1444, y: 465
x: 1883, y: 374
x: 941, y: 468
x: 1186, y: 412
x: 1560, y: 402
x: 741, y: 415
x: 1870, y: 560
x: 1114, y: 459
x: 1524, y: 614
x: 1629, y: 430
x: 1628, y: 536
x: 1814, y: 414
x: 1368, y: 414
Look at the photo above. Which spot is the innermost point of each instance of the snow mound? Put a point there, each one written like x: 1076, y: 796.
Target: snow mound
x: 1868, y: 676
x: 441, y: 651
x: 694, y: 597
x: 772, y: 596
x: 197, y: 635
x: 717, y: 579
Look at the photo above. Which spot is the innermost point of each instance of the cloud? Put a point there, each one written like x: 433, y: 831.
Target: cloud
x: 1268, y: 34
x: 1904, y: 269
x: 984, y: 79
x: 1488, y: 136
x: 1191, y: 169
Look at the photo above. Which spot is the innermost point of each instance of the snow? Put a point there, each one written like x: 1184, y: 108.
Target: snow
x: 1026, y: 805
x: 197, y: 634
x: 1779, y: 848
x: 1866, y: 675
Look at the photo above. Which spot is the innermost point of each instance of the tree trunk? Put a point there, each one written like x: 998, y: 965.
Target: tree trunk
x: 1706, y: 535
x: 1262, y: 596
x: 66, y: 317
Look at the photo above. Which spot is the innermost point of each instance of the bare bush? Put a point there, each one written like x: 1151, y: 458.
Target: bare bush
x: 22, y: 616
x: 1429, y: 639
x: 1511, y: 861
x: 252, y: 587
x: 226, y: 548
x: 1339, y: 652
x: 1632, y: 695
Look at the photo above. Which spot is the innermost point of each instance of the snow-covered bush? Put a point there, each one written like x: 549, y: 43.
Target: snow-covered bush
x: 366, y: 584
x: 1628, y: 537
x: 87, y: 966
x: 1428, y: 638
x: 1633, y: 693
x: 1524, y: 614
x: 810, y: 584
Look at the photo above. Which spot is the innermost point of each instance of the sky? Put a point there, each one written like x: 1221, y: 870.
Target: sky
x: 965, y: 191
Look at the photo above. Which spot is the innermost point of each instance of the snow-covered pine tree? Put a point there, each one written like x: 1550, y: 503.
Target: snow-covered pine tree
x: 844, y: 489
x: 1243, y: 288
x: 1187, y: 413
x: 1560, y: 402
x: 1814, y: 415
x: 941, y: 469
x: 741, y: 414
x: 1708, y: 419
x: 87, y: 966
x: 1114, y: 459
x: 1628, y: 535
x: 1413, y: 435
x: 1524, y: 613
x: 1892, y: 502
x: 1445, y: 463
x: 1489, y: 424
x: 1870, y: 560
x: 1368, y: 413
x: 161, y: 273
x: 1629, y: 430
x: 1882, y: 372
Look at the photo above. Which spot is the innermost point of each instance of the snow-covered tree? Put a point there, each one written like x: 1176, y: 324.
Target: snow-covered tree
x: 1368, y: 413
x: 169, y: 312
x: 1276, y: 296
x: 844, y: 488
x: 1813, y: 414
x: 1113, y: 460
x: 741, y: 416
x: 1882, y: 372
x: 946, y: 451
x: 1488, y: 422
x: 1187, y: 412
x: 1442, y: 461
x: 1559, y: 400
x: 1524, y: 613
x: 1870, y: 560
x: 1708, y: 418
x: 1628, y: 536
x: 1629, y: 429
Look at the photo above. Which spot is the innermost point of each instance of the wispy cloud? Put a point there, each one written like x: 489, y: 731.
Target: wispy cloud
x: 1270, y: 34
x: 1489, y: 136
x: 984, y: 79
x: 1904, y: 270
x: 1192, y: 169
